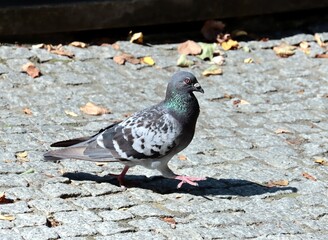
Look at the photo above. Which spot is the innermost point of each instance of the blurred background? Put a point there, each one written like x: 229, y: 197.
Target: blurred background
x: 165, y: 21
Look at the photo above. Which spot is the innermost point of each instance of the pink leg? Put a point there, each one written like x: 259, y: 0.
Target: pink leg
x: 120, y: 177
x: 189, y: 180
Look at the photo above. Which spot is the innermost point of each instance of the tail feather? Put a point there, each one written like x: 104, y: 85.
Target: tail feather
x: 75, y: 153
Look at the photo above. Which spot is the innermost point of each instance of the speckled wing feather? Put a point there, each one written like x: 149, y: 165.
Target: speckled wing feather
x: 151, y: 133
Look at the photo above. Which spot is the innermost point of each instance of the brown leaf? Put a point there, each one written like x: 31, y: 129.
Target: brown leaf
x: 31, y: 70
x: 308, y: 176
x: 277, y: 183
x: 284, y: 50
x: 169, y: 220
x: 280, y: 131
x: 93, y: 109
x: 78, y: 44
x: 62, y: 52
x: 4, y: 200
x: 189, y: 48
x: 27, y: 111
x: 125, y: 57
x: 240, y: 102
x: 211, y: 29
x: 323, y: 55
x: 182, y: 157
x: 7, y: 217
x: 116, y: 46
x: 321, y: 162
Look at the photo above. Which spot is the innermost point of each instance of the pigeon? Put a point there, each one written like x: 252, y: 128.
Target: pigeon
x: 150, y: 137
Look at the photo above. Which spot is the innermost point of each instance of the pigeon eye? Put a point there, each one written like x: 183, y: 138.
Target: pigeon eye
x: 187, y: 81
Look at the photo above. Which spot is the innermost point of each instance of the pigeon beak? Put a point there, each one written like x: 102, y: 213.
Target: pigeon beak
x: 198, y: 88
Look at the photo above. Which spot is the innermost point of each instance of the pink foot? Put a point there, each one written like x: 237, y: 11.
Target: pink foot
x: 189, y: 180
x: 120, y: 177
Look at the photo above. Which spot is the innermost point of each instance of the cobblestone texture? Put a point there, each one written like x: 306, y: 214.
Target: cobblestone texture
x: 236, y: 146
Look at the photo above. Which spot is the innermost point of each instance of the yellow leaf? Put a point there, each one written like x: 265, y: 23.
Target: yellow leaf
x: 7, y: 217
x: 22, y: 154
x: 321, y: 162
x: 93, y: 109
x: 213, y: 70
x: 70, y: 113
x: 248, y: 60
x: 148, y: 60
x: 230, y: 44
x: 137, y: 38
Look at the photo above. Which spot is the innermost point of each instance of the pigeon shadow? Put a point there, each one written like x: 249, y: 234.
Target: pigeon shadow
x: 208, y: 187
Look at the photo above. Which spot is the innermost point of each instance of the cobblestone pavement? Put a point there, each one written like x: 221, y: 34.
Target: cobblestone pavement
x: 238, y: 147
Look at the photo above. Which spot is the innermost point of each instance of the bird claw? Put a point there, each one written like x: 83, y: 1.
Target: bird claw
x: 190, y: 180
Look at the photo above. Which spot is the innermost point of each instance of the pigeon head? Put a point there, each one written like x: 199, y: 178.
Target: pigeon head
x: 183, y: 82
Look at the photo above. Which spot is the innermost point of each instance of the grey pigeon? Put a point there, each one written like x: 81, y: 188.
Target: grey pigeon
x: 149, y: 138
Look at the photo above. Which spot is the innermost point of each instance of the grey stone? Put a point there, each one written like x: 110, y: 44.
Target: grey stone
x: 73, y: 230
x: 109, y: 228
x: 150, y: 224
x: 38, y: 232
x: 52, y: 205
x: 61, y: 190
x: 115, y: 215
x: 14, y: 208
x: 76, y: 217
x: 144, y: 210
x: 29, y: 220
x: 10, y: 234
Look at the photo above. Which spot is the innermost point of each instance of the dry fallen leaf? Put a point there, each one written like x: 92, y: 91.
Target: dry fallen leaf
x: 27, y: 111
x: 4, y: 200
x: 229, y: 45
x: 184, y: 62
x: 125, y: 57
x: 238, y: 102
x: 248, y: 60
x: 78, y: 44
x: 321, y: 162
x: 211, y: 29
x: 137, y: 38
x: 93, y: 109
x: 213, y: 70
x: 169, y: 220
x: 22, y: 154
x: 189, y: 48
x: 116, y: 46
x: 182, y: 157
x: 70, y: 113
x: 38, y: 46
x: 31, y: 70
x: 148, y: 60
x: 208, y: 50
x: 280, y: 131
x: 308, y: 176
x: 284, y: 50
x: 62, y: 52
x: 7, y: 217
x: 323, y: 55
x: 319, y: 41
x: 277, y: 183
x: 305, y: 47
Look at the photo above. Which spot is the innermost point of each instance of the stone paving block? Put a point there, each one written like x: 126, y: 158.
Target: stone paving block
x: 62, y: 190
x: 73, y: 230
x: 52, y: 205
x: 146, y: 235
x: 37, y: 232
x: 75, y: 217
x: 98, y: 189
x: 115, y: 215
x: 144, y: 210
x: 109, y: 228
x: 10, y: 234
x: 29, y: 220
x: 15, y: 208
x: 150, y: 224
